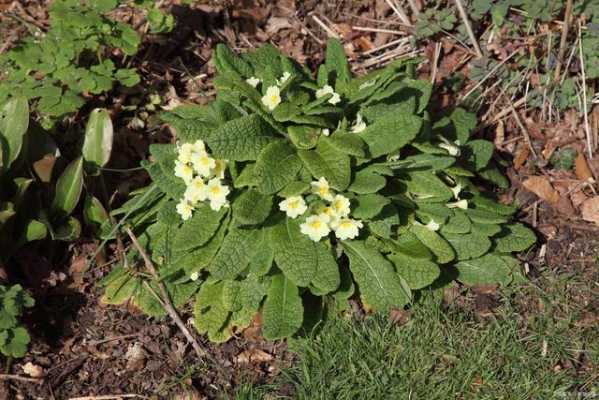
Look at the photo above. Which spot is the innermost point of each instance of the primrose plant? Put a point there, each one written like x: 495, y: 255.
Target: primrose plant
x: 290, y: 194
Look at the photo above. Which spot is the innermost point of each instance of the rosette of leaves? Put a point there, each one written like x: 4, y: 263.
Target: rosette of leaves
x: 39, y: 189
x: 407, y: 174
x: 56, y: 69
x: 13, y: 337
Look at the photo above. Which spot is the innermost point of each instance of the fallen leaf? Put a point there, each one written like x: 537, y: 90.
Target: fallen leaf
x: 582, y: 169
x: 541, y: 186
x: 253, y: 356
x: 34, y: 371
x: 275, y: 24
x: 399, y: 316
x: 136, y: 357
x: 521, y: 157
x: 590, y: 210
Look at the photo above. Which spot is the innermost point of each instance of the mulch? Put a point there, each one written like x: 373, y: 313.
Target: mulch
x: 85, y: 348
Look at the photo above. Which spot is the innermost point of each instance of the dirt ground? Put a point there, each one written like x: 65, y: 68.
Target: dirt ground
x: 86, y: 348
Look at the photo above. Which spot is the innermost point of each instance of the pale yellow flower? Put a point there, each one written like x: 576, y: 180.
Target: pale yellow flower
x: 293, y: 206
x: 272, y: 98
x: 184, y: 209
x: 253, y: 81
x: 341, y: 204
x: 463, y: 204
x: 203, y: 163
x: 316, y: 227
x: 347, y: 228
x: 183, y: 171
x: 217, y: 194
x: 321, y: 187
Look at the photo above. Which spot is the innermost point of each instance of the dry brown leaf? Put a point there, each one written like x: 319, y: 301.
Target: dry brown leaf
x: 541, y: 186
x: 253, y: 356
x: 582, y: 169
x: 275, y: 24
x: 590, y: 210
x: 33, y: 370
x: 521, y: 157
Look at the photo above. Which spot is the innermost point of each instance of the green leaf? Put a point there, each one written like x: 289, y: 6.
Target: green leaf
x: 464, y: 123
x: 489, y: 269
x: 97, y: 144
x: 241, y: 139
x: 14, y: 122
x: 294, y: 189
x: 68, y: 188
x: 347, y: 142
x: 327, y: 278
x: 34, y: 230
x: 283, y: 312
x: 457, y: 223
x: 367, y: 181
x: 252, y: 207
x: 379, y: 285
x: 15, y: 342
x: 236, y: 252
x: 369, y: 205
x: 295, y: 253
x: 94, y: 213
x: 408, y: 244
x: 199, y: 229
x: 336, y: 61
x: 120, y: 286
x: 514, y: 237
x: 428, y: 187
x: 479, y: 153
x: 209, y: 311
x: 328, y: 162
x: 417, y: 272
x: 439, y: 246
x: 468, y: 245
x: 277, y: 165
x: 390, y: 133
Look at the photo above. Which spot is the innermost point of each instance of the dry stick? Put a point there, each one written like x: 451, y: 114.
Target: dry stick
x: 400, y: 12
x: 584, y: 95
x: 466, y: 22
x: 386, y: 45
x: 378, y: 30
x: 491, y: 72
x: 168, y: 306
x: 414, y: 7
x: 8, y: 377
x: 436, y: 62
x: 563, y: 40
x: 328, y: 30
x: 522, y: 128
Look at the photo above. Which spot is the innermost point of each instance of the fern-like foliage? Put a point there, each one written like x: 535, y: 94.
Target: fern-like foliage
x: 292, y: 142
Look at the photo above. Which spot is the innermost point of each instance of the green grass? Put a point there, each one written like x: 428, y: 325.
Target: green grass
x: 451, y: 354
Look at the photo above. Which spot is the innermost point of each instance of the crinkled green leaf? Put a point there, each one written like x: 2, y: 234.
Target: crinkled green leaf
x: 283, y: 312
x: 236, y: 252
x: 295, y: 253
x: 252, y: 207
x: 241, y: 139
x: 514, y: 237
x: 379, y: 285
x: 488, y: 269
x: 199, y: 228
x: 417, y: 272
x: 439, y: 246
x: 469, y: 245
x: 326, y: 279
x: 391, y: 133
x: 277, y: 165
x: 328, y: 162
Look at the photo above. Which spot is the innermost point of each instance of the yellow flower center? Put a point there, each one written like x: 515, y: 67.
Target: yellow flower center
x: 215, y: 190
x: 315, y: 224
x: 346, y: 224
x: 293, y: 204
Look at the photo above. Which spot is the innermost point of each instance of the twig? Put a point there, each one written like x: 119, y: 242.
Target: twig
x: 112, y: 339
x: 563, y: 40
x: 587, y: 129
x: 400, y: 12
x: 414, y: 7
x: 111, y: 397
x: 9, y: 377
x: 523, y: 129
x: 491, y: 72
x: 168, y: 306
x: 468, y: 27
x: 379, y: 30
x: 386, y: 45
x: 328, y: 30
x: 436, y: 62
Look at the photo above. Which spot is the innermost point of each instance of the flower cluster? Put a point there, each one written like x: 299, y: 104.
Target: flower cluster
x: 203, y: 177
x: 332, y: 217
